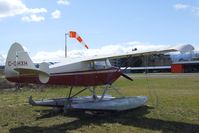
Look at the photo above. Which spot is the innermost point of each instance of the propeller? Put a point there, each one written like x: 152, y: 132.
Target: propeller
x: 127, y: 77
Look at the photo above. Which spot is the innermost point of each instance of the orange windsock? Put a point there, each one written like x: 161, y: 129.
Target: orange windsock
x: 73, y: 34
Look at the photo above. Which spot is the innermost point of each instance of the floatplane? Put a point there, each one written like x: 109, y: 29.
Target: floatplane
x: 89, y: 73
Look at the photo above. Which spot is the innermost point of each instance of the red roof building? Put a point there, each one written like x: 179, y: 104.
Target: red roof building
x: 185, y: 67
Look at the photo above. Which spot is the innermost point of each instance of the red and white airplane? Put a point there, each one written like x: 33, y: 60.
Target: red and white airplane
x: 82, y: 72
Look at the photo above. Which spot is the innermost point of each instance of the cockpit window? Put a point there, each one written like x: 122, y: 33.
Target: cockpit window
x: 102, y: 64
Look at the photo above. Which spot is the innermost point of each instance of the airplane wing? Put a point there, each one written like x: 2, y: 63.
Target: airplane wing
x: 182, y: 49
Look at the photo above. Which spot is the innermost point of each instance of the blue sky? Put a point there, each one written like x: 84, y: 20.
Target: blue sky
x: 99, y: 22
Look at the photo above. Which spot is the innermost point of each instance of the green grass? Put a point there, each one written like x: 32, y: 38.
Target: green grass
x: 173, y: 106
x: 1, y: 72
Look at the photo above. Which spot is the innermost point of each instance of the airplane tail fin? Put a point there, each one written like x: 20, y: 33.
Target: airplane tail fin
x: 18, y: 63
x: 17, y: 58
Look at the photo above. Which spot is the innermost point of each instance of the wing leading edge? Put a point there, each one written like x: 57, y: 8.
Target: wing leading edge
x: 181, y: 48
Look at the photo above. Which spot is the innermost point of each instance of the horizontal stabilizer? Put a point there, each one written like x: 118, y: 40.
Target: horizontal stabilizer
x: 29, y: 71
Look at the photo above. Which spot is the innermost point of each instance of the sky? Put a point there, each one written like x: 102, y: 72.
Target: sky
x: 105, y: 25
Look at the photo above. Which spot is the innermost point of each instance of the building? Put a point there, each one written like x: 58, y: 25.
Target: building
x: 185, y: 67
x: 140, y: 64
x: 156, y: 63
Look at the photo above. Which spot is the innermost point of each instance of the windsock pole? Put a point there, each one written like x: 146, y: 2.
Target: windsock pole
x: 65, y: 45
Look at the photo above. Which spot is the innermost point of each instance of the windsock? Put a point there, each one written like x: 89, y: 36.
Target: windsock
x: 73, y: 34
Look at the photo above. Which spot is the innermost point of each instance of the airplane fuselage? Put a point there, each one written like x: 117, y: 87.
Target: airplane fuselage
x: 91, y: 73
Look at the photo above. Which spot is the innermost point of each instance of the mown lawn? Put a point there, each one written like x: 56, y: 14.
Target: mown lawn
x: 1, y: 72
x: 173, y: 106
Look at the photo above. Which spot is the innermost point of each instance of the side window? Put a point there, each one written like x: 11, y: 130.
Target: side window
x: 100, y: 64
x: 91, y: 65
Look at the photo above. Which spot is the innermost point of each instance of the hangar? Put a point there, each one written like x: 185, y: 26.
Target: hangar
x: 140, y: 64
x: 185, y: 67
x: 157, y: 63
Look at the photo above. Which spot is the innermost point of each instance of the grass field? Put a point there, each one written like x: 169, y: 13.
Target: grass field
x: 173, y: 106
x: 1, y: 72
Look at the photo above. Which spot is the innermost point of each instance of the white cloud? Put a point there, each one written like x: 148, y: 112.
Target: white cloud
x: 63, y: 2
x: 10, y: 8
x: 2, y: 60
x: 36, y: 10
x: 48, y: 56
x: 180, y: 6
x: 196, y: 11
x: 105, y: 50
x: 197, y: 48
x: 56, y: 14
x: 58, y: 55
x: 193, y: 9
x: 33, y: 18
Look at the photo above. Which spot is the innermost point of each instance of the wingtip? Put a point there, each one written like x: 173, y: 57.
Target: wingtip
x: 185, y: 48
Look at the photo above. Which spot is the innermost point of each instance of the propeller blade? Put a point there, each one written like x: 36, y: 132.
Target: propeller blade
x: 127, y: 77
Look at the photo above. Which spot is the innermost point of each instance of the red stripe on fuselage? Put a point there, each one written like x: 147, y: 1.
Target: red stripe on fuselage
x: 83, y: 78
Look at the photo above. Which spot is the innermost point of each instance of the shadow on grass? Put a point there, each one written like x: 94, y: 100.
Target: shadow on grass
x: 135, y: 118
x: 47, y: 113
